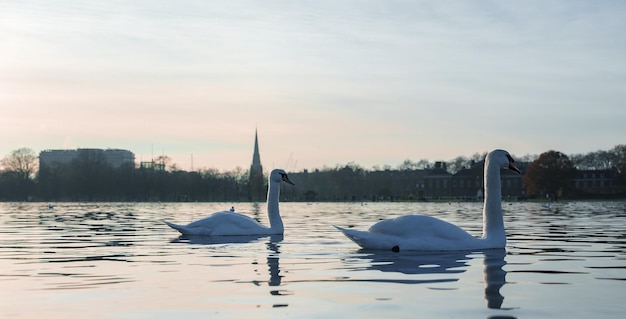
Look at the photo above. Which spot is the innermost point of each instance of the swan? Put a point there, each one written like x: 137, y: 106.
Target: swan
x: 420, y: 232
x: 229, y: 223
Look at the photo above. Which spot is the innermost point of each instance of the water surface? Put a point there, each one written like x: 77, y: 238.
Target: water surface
x: 118, y: 260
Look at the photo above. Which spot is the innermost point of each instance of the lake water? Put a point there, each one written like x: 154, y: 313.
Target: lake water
x: 118, y: 260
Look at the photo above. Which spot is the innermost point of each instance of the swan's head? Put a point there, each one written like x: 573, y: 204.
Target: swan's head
x: 503, y: 159
x: 279, y: 175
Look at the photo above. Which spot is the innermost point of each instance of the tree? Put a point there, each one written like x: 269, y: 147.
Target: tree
x: 407, y: 165
x: 618, y: 159
x: 22, y: 161
x: 461, y: 162
x: 526, y: 158
x: 551, y: 174
x: 18, y: 170
x: 594, y: 160
x: 166, y: 163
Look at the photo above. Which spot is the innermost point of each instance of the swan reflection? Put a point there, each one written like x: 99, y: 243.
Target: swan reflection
x: 273, y: 264
x: 494, y: 276
x: 272, y: 260
x: 418, y: 262
x: 442, y: 263
x: 214, y: 240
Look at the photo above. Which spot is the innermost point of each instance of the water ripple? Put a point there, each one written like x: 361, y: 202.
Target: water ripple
x: 78, y: 249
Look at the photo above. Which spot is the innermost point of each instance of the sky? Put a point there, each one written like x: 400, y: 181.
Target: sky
x: 324, y: 82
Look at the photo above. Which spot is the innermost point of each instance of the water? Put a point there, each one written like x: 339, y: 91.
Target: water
x: 118, y: 260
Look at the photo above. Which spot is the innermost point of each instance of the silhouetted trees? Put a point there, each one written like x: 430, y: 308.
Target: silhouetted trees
x: 551, y: 174
x: 90, y: 178
x: 18, y: 170
x: 618, y: 159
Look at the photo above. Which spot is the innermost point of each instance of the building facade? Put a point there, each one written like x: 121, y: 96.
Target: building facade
x: 113, y: 157
x: 468, y: 183
x: 594, y: 182
x: 437, y: 181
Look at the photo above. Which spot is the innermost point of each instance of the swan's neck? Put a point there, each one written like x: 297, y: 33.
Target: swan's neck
x: 273, y: 194
x: 493, y: 224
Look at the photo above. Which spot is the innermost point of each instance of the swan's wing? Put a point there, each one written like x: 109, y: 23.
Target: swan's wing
x: 415, y: 232
x: 222, y: 224
x: 222, y: 218
x: 420, y: 226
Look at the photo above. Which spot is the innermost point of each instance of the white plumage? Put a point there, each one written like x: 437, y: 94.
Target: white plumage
x: 420, y: 232
x: 229, y: 223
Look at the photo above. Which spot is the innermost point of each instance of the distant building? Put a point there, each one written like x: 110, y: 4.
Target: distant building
x: 152, y: 165
x: 113, y: 157
x: 437, y: 181
x: 256, y: 181
x: 468, y: 182
x: 594, y: 182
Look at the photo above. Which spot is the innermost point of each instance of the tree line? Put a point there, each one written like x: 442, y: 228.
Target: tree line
x: 92, y: 179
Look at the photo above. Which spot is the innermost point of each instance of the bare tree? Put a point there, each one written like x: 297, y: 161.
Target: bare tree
x: 618, y: 158
x: 22, y: 161
x: 409, y: 165
x: 166, y: 163
x: 17, y: 174
x: 458, y: 163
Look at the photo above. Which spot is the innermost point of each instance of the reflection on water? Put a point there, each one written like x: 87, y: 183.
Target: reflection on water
x: 495, y: 277
x: 273, y: 265
x: 272, y: 244
x: 448, y: 264
x: 207, y: 240
x: 119, y: 260
x: 273, y: 261
x: 417, y: 263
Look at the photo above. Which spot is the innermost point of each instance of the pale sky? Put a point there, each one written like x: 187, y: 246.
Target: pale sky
x: 324, y: 82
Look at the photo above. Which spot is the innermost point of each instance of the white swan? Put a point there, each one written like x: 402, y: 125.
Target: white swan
x: 229, y: 223
x: 419, y: 232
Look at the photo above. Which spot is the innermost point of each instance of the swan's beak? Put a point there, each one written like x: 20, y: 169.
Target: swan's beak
x: 513, y: 168
x: 286, y: 180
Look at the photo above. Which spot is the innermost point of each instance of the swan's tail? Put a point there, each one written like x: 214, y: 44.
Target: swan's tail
x: 352, y: 234
x: 368, y: 240
x: 182, y: 229
x: 190, y: 230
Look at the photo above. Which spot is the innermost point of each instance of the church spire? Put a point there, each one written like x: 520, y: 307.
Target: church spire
x: 256, y: 166
x: 256, y: 181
